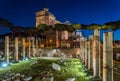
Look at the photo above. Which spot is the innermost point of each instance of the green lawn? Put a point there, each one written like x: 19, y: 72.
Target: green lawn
x: 71, y: 68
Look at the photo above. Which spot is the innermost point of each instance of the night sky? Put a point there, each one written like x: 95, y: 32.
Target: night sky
x: 22, y: 12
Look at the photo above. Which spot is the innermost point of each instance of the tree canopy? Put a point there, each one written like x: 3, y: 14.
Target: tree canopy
x: 60, y: 27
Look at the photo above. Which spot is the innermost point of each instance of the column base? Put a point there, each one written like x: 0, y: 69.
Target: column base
x: 90, y: 71
x: 96, y: 78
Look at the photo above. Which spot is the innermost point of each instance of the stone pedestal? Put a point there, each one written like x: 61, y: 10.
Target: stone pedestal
x: 108, y: 57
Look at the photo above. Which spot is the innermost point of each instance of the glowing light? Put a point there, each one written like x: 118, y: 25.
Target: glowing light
x: 50, y: 40
x: 54, y: 50
x: 26, y: 58
x: 4, y: 64
x: 90, y: 76
x: 20, y: 61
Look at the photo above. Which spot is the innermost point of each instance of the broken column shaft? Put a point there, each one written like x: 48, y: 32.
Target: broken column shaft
x: 108, y: 57
x: 29, y: 48
x: 7, y: 49
x: 33, y: 47
x: 23, y: 48
x: 16, y: 50
x: 90, y: 55
x: 96, y: 55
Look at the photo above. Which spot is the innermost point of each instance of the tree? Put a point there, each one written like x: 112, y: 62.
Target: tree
x: 94, y: 26
x: 113, y: 25
x: 84, y: 27
x: 76, y: 26
x: 59, y: 28
x: 30, y: 31
x: 71, y: 29
x: 16, y: 30
x: 104, y: 27
x: 43, y: 28
x: 5, y: 23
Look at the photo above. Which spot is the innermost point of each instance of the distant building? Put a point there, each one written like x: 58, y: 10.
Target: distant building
x: 53, y: 37
x: 45, y: 17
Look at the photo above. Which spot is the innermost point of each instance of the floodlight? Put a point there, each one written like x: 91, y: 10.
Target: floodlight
x: 26, y: 58
x: 4, y: 64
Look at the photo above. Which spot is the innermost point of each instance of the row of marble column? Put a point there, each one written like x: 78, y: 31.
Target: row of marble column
x: 91, y: 56
x: 32, y: 48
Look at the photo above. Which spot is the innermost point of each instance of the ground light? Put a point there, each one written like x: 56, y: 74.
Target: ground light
x: 20, y: 60
x: 4, y: 64
x: 26, y: 58
x: 70, y: 70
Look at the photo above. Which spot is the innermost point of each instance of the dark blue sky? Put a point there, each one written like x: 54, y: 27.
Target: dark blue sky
x: 22, y: 12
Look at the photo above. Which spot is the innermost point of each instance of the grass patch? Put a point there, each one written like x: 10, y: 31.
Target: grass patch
x: 116, y: 72
x: 71, y: 68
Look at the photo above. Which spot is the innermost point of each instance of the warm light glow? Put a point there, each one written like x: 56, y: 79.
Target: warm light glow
x: 50, y: 40
x: 19, y: 42
x: 42, y: 45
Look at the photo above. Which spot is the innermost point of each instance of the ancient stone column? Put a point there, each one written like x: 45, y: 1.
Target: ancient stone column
x: 90, y: 55
x: 84, y: 48
x: 33, y: 47
x: 47, y: 43
x: 86, y: 52
x: 40, y: 41
x: 29, y: 48
x: 7, y: 49
x: 16, y: 50
x: 37, y: 49
x: 23, y: 47
x: 57, y: 41
x: 108, y: 57
x: 100, y: 71
x: 82, y: 51
x: 96, y: 55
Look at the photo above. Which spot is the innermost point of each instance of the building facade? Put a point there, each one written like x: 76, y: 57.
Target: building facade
x: 45, y: 17
x: 53, y: 38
